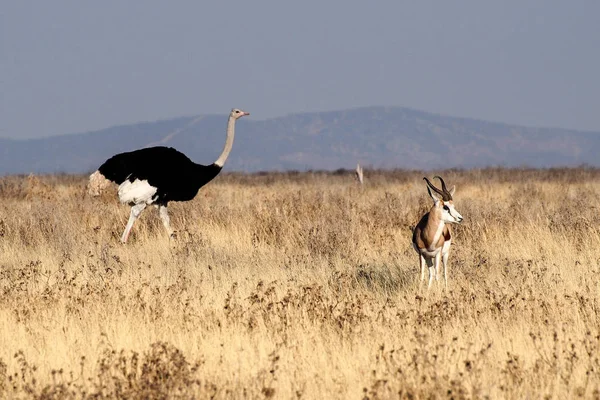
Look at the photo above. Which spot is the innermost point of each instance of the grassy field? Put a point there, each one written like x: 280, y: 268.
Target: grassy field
x: 302, y: 286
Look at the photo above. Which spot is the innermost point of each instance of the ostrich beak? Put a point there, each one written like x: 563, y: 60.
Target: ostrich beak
x: 245, y: 113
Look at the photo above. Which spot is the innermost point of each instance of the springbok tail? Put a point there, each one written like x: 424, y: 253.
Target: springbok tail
x: 97, y: 184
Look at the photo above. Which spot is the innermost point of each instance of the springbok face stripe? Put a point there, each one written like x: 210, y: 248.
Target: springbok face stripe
x: 449, y: 213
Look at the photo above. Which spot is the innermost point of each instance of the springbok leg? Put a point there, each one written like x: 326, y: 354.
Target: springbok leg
x: 431, y: 268
x: 422, y: 265
x: 445, y: 262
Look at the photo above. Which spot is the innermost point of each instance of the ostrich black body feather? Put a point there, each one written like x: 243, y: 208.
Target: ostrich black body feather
x: 172, y: 173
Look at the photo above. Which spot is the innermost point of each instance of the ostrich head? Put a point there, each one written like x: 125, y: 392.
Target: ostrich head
x: 237, y: 113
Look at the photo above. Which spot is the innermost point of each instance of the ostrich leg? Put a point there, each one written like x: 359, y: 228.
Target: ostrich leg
x: 136, y: 210
x: 164, y: 215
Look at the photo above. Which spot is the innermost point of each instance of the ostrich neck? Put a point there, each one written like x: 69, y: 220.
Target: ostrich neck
x: 228, y: 142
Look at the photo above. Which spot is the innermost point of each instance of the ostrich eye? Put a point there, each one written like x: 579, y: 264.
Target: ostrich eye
x: 237, y: 112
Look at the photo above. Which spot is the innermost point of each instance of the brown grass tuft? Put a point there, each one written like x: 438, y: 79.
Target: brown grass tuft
x: 302, y: 285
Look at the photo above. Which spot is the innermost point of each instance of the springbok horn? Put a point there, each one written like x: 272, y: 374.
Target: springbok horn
x: 438, y: 191
x: 446, y: 192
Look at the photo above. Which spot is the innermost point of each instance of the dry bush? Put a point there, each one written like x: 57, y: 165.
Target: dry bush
x: 305, y: 285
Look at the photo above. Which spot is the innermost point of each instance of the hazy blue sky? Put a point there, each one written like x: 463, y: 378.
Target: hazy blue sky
x: 73, y: 66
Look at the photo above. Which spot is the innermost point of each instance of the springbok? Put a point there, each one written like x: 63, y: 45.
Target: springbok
x: 432, y: 236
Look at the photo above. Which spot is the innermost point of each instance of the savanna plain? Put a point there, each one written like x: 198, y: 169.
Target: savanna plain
x: 302, y: 285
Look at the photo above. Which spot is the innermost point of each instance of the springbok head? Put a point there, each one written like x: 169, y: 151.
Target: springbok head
x: 443, y: 201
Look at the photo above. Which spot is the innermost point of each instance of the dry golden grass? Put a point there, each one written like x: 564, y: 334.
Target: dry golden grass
x: 302, y: 285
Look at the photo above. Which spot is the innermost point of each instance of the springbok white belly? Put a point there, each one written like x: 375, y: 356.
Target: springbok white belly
x: 427, y: 252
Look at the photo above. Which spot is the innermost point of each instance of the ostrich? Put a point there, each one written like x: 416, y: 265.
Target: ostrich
x: 157, y: 175
x: 359, y: 173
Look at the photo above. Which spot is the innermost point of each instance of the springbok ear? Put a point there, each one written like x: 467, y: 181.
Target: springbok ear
x: 452, y: 190
x: 436, y: 197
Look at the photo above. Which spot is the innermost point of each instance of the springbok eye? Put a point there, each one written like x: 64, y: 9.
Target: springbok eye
x: 446, y: 208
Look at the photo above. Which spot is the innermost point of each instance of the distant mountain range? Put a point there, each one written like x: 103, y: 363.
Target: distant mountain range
x: 379, y: 137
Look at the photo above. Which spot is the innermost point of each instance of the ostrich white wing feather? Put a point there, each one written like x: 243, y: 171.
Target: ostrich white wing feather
x: 136, y: 192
